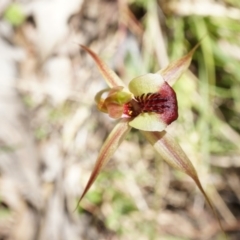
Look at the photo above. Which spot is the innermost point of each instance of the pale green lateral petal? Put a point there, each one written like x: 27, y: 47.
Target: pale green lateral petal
x: 148, y: 122
x: 148, y: 83
x: 109, y: 147
x: 110, y: 76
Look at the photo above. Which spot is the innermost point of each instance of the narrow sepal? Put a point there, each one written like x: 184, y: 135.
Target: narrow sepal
x: 175, y: 69
x: 173, y: 154
x: 111, y: 144
x: 110, y: 76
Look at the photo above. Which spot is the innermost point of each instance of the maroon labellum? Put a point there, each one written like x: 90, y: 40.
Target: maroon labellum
x: 163, y: 102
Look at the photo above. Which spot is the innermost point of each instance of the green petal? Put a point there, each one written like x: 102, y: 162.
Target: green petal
x: 119, y: 97
x: 112, y: 104
x: 148, y: 122
x: 148, y: 83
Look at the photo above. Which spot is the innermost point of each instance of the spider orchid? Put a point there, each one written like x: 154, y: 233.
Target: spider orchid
x: 148, y: 104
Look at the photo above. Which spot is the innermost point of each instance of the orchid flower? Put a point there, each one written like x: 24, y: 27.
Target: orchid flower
x: 149, y: 104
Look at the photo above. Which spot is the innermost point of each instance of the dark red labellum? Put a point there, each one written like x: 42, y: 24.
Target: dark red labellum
x: 170, y: 113
x: 163, y: 102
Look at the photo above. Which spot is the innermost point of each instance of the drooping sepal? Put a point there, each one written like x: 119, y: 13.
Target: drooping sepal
x: 172, y: 153
x: 111, y: 144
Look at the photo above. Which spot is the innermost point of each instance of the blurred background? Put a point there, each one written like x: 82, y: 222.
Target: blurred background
x: 51, y: 131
